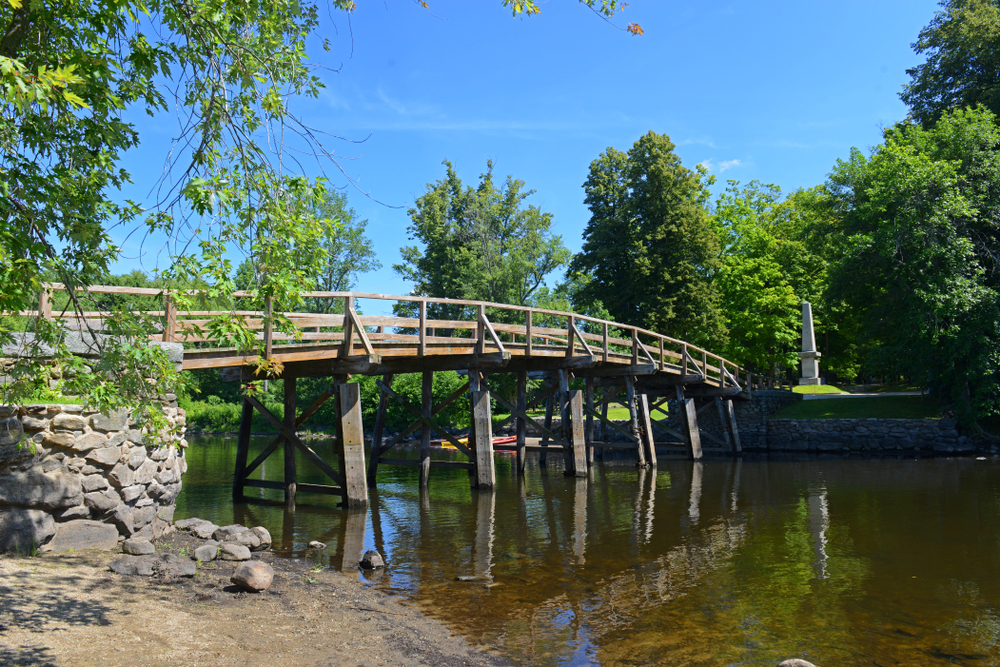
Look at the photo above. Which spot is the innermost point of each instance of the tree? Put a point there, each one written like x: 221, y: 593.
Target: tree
x: 922, y: 220
x: 758, y: 299
x: 649, y: 249
x: 71, y: 72
x: 343, y: 253
x: 962, y: 43
x: 479, y: 243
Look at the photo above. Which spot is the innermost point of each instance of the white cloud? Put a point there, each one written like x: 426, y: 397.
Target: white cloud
x: 721, y: 167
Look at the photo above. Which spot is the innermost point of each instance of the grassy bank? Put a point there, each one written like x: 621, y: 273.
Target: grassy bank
x: 817, y: 389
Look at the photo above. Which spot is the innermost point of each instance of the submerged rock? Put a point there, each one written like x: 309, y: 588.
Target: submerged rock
x: 372, y: 560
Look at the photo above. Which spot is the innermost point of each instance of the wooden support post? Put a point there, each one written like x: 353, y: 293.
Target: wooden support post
x: 647, y: 437
x: 635, y: 346
x: 634, y: 419
x: 242, y: 450
x: 427, y: 405
x: 604, y: 348
x: 576, y: 459
x: 684, y: 360
x: 604, y: 425
x: 564, y: 410
x: 690, y: 417
x: 543, y: 458
x: 723, y: 423
x: 352, y: 446
x: 588, y: 430
x: 288, y: 445
x: 483, y: 444
x: 522, y: 426
x: 734, y: 430
x: 376, y: 450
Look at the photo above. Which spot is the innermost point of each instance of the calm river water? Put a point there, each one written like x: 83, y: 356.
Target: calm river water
x: 842, y: 562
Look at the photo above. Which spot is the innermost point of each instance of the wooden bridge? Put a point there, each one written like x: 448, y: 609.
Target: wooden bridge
x: 648, y: 370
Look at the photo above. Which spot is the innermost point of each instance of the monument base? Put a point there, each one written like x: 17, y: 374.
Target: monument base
x: 810, y: 381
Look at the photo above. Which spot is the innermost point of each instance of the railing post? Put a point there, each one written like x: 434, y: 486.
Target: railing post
x: 684, y: 359
x: 635, y: 346
x: 527, y: 335
x: 169, y: 318
x: 348, y: 326
x: 569, y: 335
x: 268, y: 327
x: 45, y: 303
x: 605, y: 348
x: 423, y: 328
x: 481, y: 330
x: 663, y: 364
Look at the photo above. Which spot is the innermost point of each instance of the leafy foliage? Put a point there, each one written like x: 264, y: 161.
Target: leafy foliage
x: 479, y: 243
x: 921, y: 216
x: 70, y: 73
x: 962, y: 44
x: 649, y: 251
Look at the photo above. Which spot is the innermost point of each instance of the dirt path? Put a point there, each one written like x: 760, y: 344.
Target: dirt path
x: 72, y: 611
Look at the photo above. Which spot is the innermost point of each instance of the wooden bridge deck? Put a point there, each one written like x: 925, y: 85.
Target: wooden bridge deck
x: 644, y: 369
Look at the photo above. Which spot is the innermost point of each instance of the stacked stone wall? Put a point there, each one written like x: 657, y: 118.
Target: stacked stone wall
x: 72, y: 479
x: 940, y: 436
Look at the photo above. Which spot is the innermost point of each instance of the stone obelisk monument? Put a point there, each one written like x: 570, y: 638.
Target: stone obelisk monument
x: 809, y: 355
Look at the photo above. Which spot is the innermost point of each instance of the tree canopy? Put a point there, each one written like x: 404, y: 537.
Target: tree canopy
x: 649, y: 249
x: 479, y: 242
x: 962, y: 44
x: 921, y: 216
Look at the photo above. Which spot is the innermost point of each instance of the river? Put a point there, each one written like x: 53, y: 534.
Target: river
x: 747, y: 562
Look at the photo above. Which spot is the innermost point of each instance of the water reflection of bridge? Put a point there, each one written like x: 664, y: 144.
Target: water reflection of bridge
x: 609, y: 548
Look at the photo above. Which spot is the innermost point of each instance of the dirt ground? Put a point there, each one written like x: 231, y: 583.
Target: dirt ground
x: 70, y: 610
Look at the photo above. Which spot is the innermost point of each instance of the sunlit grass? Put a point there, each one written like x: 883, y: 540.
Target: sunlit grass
x: 817, y: 389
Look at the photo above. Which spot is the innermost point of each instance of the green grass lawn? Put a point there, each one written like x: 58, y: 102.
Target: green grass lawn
x: 887, y: 407
x: 616, y: 412
x: 817, y: 389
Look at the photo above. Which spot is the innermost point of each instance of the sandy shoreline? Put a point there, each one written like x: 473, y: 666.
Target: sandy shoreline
x: 70, y: 610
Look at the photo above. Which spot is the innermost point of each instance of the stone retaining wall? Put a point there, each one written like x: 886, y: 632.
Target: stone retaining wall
x: 72, y: 479
x: 828, y: 435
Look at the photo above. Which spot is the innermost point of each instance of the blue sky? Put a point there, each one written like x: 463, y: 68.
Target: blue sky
x: 770, y: 90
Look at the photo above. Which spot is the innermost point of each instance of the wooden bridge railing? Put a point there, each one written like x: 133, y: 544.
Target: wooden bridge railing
x: 483, y: 326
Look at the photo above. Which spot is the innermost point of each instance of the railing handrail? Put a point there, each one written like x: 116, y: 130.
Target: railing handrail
x: 573, y: 332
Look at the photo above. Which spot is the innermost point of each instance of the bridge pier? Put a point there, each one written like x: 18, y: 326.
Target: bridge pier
x: 352, y: 486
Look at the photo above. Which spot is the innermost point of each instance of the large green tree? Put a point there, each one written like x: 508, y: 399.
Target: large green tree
x: 962, y: 45
x: 649, y: 251
x: 921, y: 216
x: 481, y: 243
x: 775, y: 254
x: 72, y: 73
